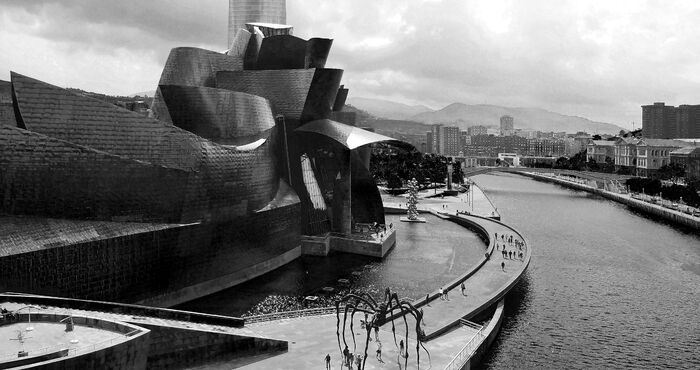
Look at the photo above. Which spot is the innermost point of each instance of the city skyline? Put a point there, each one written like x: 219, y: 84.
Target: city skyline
x: 597, y: 60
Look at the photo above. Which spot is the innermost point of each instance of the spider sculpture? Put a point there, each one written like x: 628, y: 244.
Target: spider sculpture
x: 381, y: 313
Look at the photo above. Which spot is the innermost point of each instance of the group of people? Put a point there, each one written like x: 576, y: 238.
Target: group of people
x: 513, y: 254
x: 350, y: 359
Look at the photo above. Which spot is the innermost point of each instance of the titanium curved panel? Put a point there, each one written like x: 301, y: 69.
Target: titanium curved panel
x: 7, y: 112
x: 240, y: 44
x: 237, y: 183
x: 324, y: 87
x: 340, y: 99
x: 290, y: 52
x: 46, y: 176
x: 317, y: 50
x: 367, y: 205
x: 55, y: 112
x: 287, y: 90
x: 189, y: 66
x: 348, y: 136
x: 282, y: 52
x: 218, y: 115
x: 298, y: 94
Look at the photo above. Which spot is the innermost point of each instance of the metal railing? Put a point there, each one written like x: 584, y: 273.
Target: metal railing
x: 467, y: 351
x: 121, y: 337
x: 290, y: 314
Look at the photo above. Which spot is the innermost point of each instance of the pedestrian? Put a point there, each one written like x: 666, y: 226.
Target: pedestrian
x: 447, y: 297
x: 427, y: 298
x: 401, y: 347
x: 462, y: 287
x: 328, y: 361
x: 346, y: 354
x: 510, y: 255
x: 379, y: 352
x: 503, y: 266
x: 358, y: 362
x: 442, y: 294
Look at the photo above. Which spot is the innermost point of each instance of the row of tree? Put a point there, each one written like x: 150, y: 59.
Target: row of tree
x: 578, y: 162
x: 689, y: 194
x: 396, y: 167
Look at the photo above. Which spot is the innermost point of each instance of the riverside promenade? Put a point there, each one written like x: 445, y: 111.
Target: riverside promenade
x: 672, y: 215
x: 312, y: 334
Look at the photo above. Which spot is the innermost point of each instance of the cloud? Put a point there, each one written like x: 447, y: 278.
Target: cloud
x: 598, y: 59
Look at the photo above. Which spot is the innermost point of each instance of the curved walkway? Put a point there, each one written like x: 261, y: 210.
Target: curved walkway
x: 311, y: 338
x: 484, y: 285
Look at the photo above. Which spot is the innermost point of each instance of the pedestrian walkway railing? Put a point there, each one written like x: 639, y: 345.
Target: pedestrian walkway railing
x: 290, y: 315
x: 468, y: 350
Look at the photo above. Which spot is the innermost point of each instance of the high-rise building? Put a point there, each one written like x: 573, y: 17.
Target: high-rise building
x: 507, y: 126
x: 451, y: 140
x: 659, y: 121
x: 477, y: 130
x: 688, y: 121
x: 429, y: 142
x: 435, y: 138
x: 248, y: 11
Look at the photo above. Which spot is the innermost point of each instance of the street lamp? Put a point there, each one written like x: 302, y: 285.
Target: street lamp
x: 29, y: 316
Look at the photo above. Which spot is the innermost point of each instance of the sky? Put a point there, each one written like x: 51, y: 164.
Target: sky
x: 597, y: 59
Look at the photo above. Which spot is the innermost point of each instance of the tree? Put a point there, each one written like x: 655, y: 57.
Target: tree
x: 673, y: 171
x: 394, y: 181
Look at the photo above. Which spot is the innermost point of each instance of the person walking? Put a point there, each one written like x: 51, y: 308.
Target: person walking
x: 401, y: 347
x: 379, y: 352
x: 462, y: 287
x: 442, y: 294
x: 346, y: 355
x: 447, y: 297
x: 328, y: 361
x: 358, y: 362
x: 503, y: 266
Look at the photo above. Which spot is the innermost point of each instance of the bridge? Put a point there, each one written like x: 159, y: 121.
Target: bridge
x: 586, y: 175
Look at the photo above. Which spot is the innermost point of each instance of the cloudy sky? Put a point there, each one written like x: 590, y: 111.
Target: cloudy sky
x: 597, y: 59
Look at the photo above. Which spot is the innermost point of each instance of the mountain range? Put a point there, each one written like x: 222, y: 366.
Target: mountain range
x: 464, y: 116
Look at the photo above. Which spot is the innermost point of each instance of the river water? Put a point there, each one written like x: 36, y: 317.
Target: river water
x: 606, y: 287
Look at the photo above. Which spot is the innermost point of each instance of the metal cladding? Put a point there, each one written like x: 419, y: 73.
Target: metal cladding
x: 290, y: 52
x: 7, y: 112
x: 240, y: 44
x: 197, y: 67
x: 282, y: 52
x: 215, y: 191
x: 242, y: 12
x: 225, y: 117
x: 367, y: 206
x: 54, y: 178
x: 55, y: 112
x: 188, y: 66
x: 302, y: 94
x: 222, y: 181
x: 340, y: 99
x: 348, y: 136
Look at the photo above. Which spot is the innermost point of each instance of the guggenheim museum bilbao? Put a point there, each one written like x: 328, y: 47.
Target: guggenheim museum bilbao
x: 247, y: 153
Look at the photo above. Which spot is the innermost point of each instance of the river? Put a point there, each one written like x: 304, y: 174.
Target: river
x: 606, y: 288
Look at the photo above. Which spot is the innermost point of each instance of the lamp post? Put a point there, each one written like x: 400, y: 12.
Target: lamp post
x: 29, y: 316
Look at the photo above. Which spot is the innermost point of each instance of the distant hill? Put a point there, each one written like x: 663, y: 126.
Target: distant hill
x: 145, y: 93
x: 387, y: 109
x: 464, y: 115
